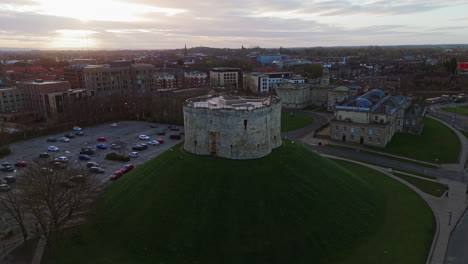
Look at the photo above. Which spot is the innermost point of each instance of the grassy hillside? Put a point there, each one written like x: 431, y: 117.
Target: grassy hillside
x: 290, y: 207
x: 294, y: 122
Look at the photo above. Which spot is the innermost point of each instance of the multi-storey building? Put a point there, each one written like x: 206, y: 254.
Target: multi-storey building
x: 269, y: 59
x: 195, y: 79
x: 75, y: 75
x: 120, y: 78
x: 374, y: 117
x: 36, y: 94
x: 70, y: 105
x: 165, y: 81
x: 11, y: 100
x: 264, y: 82
x: 226, y: 77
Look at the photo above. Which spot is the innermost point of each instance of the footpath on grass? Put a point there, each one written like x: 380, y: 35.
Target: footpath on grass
x: 447, y: 209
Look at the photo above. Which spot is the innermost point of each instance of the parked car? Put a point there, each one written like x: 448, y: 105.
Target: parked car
x: 51, y: 139
x: 69, y: 135
x: 114, y: 125
x: 5, y: 163
x: 97, y: 169
x: 77, y: 179
x: 5, y: 187
x: 154, y: 126
x: 175, y: 136
x: 92, y: 164
x: 102, y: 139
x: 144, y: 146
x: 77, y: 128
x: 153, y: 143
x: 114, y: 146
x: 174, y: 128
x: 79, y: 133
x: 162, y: 133
x: 7, y: 169
x: 44, y: 155
x: 115, y: 175
x: 9, y: 179
x: 101, y: 146
x: 87, y: 151
x: 137, y: 147
x: 58, y: 164
x: 21, y: 164
x: 53, y: 148
x: 64, y: 139
x: 62, y: 159
x: 127, y: 168
x: 143, y: 137
x: 84, y: 157
x: 160, y: 140
x: 133, y: 155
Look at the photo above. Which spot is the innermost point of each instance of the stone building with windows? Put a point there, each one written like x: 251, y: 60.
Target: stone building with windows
x: 374, y: 117
x: 226, y: 77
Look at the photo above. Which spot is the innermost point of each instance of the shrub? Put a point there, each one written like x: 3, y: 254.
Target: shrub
x: 117, y: 157
x: 5, y: 151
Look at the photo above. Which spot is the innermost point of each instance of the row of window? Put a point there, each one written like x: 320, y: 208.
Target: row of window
x: 370, y: 131
x: 352, y: 138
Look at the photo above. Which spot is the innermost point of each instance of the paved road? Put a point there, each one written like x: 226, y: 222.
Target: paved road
x: 458, y: 244
x: 460, y: 122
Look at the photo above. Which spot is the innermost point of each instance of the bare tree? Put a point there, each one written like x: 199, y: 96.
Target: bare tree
x: 57, y: 197
x: 12, y: 206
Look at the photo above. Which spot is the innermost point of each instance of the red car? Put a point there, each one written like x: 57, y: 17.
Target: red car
x: 127, y: 168
x: 160, y: 140
x: 102, y: 139
x: 21, y: 164
x: 116, y: 175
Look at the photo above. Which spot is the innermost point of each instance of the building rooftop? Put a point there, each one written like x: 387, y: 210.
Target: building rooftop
x: 230, y: 102
x: 225, y: 69
x: 42, y: 82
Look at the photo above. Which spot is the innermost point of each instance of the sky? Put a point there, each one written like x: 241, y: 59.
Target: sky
x: 170, y: 24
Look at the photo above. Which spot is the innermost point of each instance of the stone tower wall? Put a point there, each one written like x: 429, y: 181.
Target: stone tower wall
x: 233, y: 133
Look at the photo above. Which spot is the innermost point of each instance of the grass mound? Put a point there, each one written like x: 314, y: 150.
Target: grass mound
x: 292, y: 206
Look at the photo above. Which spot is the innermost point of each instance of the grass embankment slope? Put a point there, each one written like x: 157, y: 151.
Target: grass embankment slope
x: 436, y: 142
x: 292, y: 206
x: 296, y: 121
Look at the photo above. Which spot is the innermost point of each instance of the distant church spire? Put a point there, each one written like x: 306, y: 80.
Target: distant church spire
x: 185, y: 50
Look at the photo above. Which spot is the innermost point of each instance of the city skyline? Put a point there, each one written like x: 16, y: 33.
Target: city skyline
x: 148, y: 24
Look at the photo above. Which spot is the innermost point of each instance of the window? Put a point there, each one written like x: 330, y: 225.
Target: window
x: 399, y: 122
x: 413, y: 122
x: 336, y: 136
x: 339, y: 117
x: 344, y: 128
x: 377, y: 140
x: 370, y: 131
x: 407, y: 122
x: 376, y: 118
x: 337, y: 128
x: 351, y: 130
x: 370, y: 139
x: 352, y: 137
x: 379, y: 132
x: 362, y: 130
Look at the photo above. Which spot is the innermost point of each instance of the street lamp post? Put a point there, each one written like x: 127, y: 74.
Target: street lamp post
x: 450, y: 216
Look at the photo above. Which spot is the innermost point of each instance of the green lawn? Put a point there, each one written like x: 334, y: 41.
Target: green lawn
x: 408, y: 224
x: 429, y: 187
x: 297, y: 121
x: 459, y: 110
x: 436, y: 144
x: 184, y: 208
x: 292, y: 206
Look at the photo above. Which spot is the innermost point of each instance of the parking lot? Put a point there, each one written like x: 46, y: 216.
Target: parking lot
x: 125, y: 134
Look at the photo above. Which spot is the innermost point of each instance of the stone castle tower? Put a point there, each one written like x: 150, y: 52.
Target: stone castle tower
x: 325, y: 79
x: 232, y: 127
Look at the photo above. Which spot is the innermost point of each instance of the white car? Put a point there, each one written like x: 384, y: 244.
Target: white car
x: 133, y: 155
x: 64, y: 139
x: 53, y: 148
x: 114, y: 125
x: 77, y: 128
x: 144, y: 137
x: 153, y: 143
x: 62, y: 159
